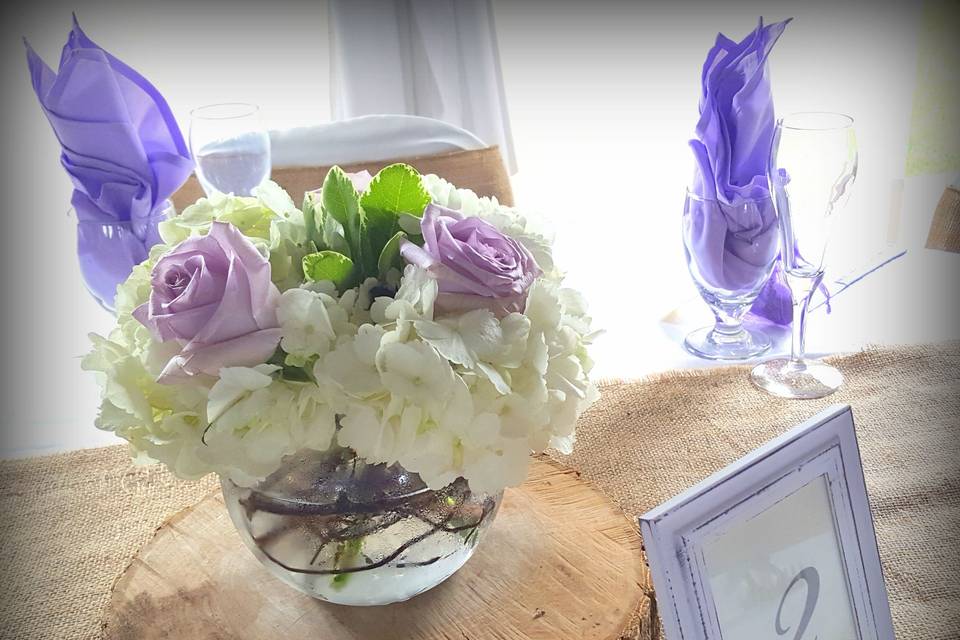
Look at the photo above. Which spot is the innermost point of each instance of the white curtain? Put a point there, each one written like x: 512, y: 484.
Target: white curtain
x: 432, y: 58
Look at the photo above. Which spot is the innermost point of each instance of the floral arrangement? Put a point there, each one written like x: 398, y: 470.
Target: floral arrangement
x: 396, y: 315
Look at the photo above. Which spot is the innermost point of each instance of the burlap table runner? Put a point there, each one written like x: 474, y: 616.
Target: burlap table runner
x: 70, y: 524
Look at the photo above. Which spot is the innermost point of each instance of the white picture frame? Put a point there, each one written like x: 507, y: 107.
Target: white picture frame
x: 729, y: 556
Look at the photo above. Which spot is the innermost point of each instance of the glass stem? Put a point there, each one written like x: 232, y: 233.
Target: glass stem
x: 801, y: 288
x: 728, y: 326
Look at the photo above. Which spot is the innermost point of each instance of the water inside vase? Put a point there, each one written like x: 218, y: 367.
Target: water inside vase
x: 353, y: 533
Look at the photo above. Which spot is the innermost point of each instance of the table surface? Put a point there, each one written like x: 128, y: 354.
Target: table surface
x: 555, y: 526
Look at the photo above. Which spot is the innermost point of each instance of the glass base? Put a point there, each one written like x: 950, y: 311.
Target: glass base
x: 713, y: 345
x: 805, y: 380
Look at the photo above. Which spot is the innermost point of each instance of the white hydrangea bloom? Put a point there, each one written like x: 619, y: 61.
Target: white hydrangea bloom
x: 312, y: 420
x: 415, y: 372
x: 239, y: 395
x: 256, y: 419
x: 470, y: 394
x: 163, y: 422
x: 307, y: 328
x: 414, y: 299
x: 363, y: 429
x: 351, y: 366
x: 273, y: 197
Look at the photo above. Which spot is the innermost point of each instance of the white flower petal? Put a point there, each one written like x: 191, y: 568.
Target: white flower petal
x: 234, y: 384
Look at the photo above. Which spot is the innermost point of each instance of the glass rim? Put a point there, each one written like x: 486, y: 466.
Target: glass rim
x: 839, y: 121
x: 224, y: 111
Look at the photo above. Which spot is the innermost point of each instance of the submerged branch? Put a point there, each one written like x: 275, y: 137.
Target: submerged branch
x: 435, y: 528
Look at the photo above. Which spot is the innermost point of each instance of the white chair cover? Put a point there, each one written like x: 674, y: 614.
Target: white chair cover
x: 368, y: 138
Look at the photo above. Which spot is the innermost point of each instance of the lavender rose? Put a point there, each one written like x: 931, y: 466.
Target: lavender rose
x: 474, y: 263
x: 213, y: 295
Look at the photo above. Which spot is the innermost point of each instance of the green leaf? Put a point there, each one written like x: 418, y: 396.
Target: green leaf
x: 396, y: 190
x: 328, y: 265
x: 379, y: 225
x: 313, y: 217
x: 339, y: 581
x: 369, y: 250
x: 390, y: 256
x: 332, y: 237
x: 340, y: 202
x: 252, y: 220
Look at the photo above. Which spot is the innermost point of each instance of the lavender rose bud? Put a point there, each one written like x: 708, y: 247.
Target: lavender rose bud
x: 474, y: 263
x: 213, y: 295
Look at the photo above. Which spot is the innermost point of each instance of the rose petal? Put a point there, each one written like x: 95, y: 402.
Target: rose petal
x: 244, y: 351
x: 416, y: 255
x: 226, y: 315
x: 185, y: 323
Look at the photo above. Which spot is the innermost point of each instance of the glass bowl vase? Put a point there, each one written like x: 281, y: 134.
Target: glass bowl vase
x: 352, y: 533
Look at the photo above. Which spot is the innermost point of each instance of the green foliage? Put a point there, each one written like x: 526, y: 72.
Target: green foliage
x: 366, y: 229
x: 322, y: 229
x: 252, y: 220
x: 395, y: 190
x: 328, y: 265
x: 340, y: 201
x: 346, y: 556
x: 313, y: 217
x: 390, y: 256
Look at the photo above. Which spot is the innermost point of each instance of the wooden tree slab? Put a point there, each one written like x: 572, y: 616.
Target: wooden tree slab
x: 559, y: 562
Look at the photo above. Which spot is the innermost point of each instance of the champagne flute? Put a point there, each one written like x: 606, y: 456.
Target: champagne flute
x: 230, y: 146
x: 813, y: 164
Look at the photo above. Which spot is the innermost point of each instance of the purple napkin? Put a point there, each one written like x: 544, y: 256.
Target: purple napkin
x: 122, y: 149
x: 736, y: 236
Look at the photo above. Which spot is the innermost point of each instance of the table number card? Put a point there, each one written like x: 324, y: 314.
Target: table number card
x: 778, y: 545
x: 781, y: 572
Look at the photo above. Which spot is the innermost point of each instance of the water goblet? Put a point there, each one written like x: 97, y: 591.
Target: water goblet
x: 108, y: 249
x: 230, y: 146
x: 731, y: 248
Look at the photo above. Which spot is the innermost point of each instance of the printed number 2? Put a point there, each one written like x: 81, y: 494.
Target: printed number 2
x: 812, y: 578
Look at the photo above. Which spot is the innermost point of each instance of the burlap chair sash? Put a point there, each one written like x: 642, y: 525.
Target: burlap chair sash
x: 945, y: 229
x: 481, y: 170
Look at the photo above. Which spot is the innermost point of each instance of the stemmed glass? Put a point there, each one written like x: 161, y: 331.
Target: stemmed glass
x: 731, y: 248
x: 108, y: 250
x: 230, y: 146
x: 813, y: 164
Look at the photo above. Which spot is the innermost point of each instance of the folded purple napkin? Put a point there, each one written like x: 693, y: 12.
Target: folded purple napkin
x: 736, y: 224
x: 122, y: 149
